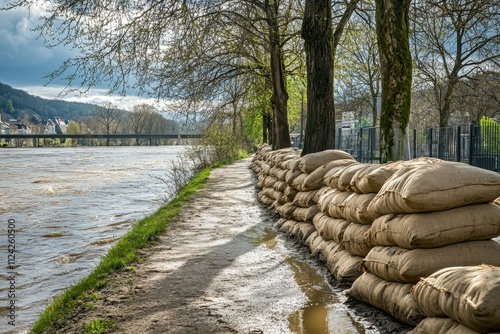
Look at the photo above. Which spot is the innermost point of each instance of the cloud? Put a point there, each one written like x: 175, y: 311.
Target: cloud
x: 95, y: 96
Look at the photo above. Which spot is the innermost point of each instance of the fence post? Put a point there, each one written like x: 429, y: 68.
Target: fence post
x: 459, y: 144
x: 414, y: 143
x: 429, y: 141
x: 360, y: 143
x: 472, y: 143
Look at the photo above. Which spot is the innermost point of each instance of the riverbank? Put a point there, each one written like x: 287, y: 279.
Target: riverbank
x: 221, y: 268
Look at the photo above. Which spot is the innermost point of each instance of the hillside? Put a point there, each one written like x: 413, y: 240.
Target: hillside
x: 24, y: 103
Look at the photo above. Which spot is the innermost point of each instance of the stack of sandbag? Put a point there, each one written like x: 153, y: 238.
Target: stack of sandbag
x: 344, y: 221
x: 305, y: 181
x: 271, y: 179
x: 428, y: 217
x: 258, y: 158
x: 463, y: 300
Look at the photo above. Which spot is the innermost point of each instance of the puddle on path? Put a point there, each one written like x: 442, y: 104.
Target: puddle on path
x: 323, y: 313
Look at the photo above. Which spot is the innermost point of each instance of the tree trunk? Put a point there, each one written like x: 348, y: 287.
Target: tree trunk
x: 396, y: 69
x: 280, y: 93
x: 317, y: 32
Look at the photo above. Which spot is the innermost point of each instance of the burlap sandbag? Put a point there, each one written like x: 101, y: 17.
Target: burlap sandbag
x: 302, y: 230
x: 330, y: 228
x: 409, y: 265
x: 286, y: 210
x: 304, y: 199
x: 290, y: 193
x: 325, y: 199
x: 441, y: 326
x: 436, y: 229
x: 355, y: 208
x: 394, y: 298
x: 336, y: 205
x: 269, y: 181
x: 287, y: 226
x: 281, y: 174
x: 309, y: 162
x: 496, y: 201
x: 320, y: 192
x: 279, y: 223
x: 331, y: 178
x: 306, y: 214
x: 343, y: 266
x: 345, y: 178
x: 298, y: 181
x: 315, y: 180
x: 292, y: 175
x: 317, y: 245
x: 354, y: 239
x: 269, y: 192
x: 468, y: 295
x: 264, y: 199
x: 435, y: 187
x: 280, y: 186
x: 360, y: 175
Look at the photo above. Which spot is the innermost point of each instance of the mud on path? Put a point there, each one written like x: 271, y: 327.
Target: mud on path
x: 222, y: 268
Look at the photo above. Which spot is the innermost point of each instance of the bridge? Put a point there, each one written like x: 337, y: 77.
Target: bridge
x: 150, y: 137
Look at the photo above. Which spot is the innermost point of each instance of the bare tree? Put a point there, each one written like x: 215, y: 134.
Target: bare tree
x: 109, y: 117
x: 454, y: 40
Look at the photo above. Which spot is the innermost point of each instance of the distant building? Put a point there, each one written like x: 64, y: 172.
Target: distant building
x: 50, y: 127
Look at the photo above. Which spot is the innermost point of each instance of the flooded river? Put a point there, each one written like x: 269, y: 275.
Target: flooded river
x: 68, y: 205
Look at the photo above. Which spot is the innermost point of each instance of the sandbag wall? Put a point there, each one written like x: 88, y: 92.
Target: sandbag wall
x: 383, y: 227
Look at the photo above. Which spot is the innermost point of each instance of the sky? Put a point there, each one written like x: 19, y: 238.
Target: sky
x: 24, y: 61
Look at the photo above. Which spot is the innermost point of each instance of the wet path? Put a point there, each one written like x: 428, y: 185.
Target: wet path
x: 222, y: 268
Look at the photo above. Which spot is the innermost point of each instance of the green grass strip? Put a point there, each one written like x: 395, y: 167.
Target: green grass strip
x: 122, y: 254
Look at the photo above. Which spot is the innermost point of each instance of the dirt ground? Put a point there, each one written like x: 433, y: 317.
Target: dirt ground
x: 223, y: 268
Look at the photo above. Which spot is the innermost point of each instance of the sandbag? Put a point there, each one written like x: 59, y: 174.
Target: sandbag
x: 280, y: 222
x: 290, y: 193
x: 355, y: 208
x: 292, y: 175
x: 305, y: 214
x: 344, y: 180
x: 298, y: 182
x: 330, y: 228
x: 468, y: 295
x: 435, y: 187
x: 320, y: 192
x: 302, y: 230
x: 315, y: 180
x: 325, y: 199
x: 286, y: 210
x: 287, y: 226
x: 362, y: 176
x: 394, y: 298
x: 280, y: 186
x: 409, y: 265
x: 436, y: 229
x: 309, y: 162
x: 331, y: 178
x: 269, y: 181
x: 336, y: 205
x: 343, y: 266
x: 304, y: 199
x: 317, y: 244
x: 354, y: 240
x: 441, y: 326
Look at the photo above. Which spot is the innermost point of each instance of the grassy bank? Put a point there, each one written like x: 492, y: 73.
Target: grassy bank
x: 124, y: 253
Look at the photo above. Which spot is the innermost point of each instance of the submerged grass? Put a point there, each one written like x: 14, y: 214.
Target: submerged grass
x: 124, y: 253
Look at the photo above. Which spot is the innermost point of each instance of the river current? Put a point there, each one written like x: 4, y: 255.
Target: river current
x: 68, y: 206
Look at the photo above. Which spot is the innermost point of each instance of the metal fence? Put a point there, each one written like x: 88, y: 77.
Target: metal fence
x: 475, y: 145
